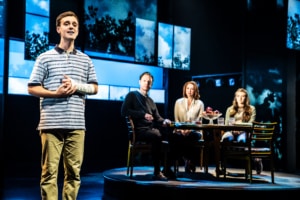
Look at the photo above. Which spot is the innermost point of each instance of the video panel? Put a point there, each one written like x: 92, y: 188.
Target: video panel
x: 145, y: 41
x: 36, y: 28
x: 112, y: 27
x: 1, y: 45
x: 165, y: 45
x: 293, y: 25
x: 182, y: 48
x: 174, y: 46
x: 103, y: 93
x: 118, y: 93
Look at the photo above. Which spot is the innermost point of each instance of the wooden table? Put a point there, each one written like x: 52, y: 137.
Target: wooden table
x: 216, y: 131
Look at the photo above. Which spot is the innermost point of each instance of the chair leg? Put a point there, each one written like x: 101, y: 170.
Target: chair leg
x: 250, y: 169
x: 128, y: 160
x: 176, y: 166
x: 201, y: 157
x: 205, y: 157
x: 247, y: 172
x: 165, y: 149
x: 272, y: 170
x: 131, y: 172
x: 131, y: 165
x: 224, y: 167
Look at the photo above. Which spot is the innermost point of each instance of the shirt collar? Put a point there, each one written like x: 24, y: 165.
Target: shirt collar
x: 143, y: 94
x: 60, y: 50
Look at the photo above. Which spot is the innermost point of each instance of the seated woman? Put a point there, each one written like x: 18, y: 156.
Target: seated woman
x: 242, y: 112
x: 187, y: 109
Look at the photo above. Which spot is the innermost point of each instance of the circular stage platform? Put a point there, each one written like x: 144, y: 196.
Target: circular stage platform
x: 117, y: 185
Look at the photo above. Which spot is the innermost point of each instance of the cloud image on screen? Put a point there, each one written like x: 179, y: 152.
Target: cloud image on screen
x: 165, y: 45
x: 145, y: 41
x: 182, y: 48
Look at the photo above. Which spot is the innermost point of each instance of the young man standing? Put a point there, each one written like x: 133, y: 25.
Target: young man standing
x: 61, y: 78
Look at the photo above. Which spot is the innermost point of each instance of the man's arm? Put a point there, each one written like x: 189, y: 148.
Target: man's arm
x: 83, y: 88
x: 132, y: 107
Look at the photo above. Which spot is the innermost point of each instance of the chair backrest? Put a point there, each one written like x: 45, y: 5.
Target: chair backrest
x: 259, y: 144
x: 262, y: 135
x: 130, y: 127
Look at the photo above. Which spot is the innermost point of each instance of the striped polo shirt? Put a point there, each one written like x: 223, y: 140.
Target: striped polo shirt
x: 48, y: 71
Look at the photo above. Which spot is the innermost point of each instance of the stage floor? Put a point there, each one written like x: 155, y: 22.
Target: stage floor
x: 117, y: 185
x: 113, y: 184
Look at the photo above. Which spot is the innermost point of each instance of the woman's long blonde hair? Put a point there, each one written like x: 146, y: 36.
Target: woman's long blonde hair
x: 247, y: 108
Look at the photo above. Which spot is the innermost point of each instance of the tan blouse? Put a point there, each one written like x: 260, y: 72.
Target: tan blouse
x: 184, y: 113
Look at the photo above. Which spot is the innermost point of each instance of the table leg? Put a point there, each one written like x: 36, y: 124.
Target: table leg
x: 217, y: 138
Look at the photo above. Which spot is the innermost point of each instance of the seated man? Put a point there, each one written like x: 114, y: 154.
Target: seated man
x: 148, y: 122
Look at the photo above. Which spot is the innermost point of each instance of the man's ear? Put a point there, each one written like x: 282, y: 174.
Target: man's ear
x: 58, y: 29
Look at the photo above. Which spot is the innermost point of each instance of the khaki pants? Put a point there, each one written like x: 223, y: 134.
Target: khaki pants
x: 68, y: 145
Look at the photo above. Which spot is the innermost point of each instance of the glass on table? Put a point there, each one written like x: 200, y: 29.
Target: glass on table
x: 221, y: 120
x: 231, y: 121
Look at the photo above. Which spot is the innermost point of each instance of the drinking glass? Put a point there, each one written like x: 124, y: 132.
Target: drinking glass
x: 231, y: 121
x: 221, y: 121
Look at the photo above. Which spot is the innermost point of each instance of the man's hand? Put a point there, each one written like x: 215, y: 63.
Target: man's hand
x: 66, y: 88
x: 149, y: 117
x: 167, y: 121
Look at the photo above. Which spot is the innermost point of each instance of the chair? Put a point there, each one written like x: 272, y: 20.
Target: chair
x: 259, y: 144
x: 200, y: 144
x: 135, y: 147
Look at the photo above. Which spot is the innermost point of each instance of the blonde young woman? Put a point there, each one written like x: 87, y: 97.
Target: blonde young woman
x: 242, y: 112
x: 188, y: 108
